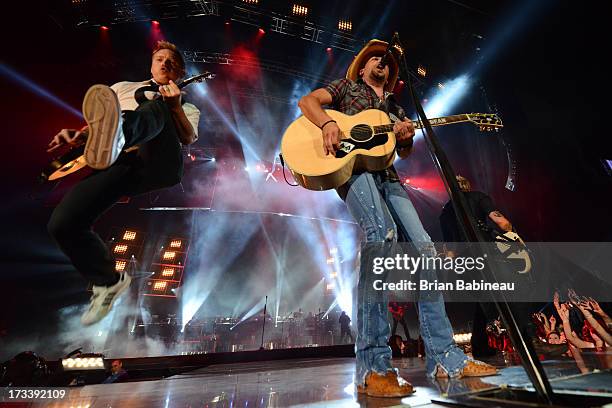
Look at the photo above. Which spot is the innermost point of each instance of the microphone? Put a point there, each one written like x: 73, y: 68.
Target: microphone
x: 386, y: 58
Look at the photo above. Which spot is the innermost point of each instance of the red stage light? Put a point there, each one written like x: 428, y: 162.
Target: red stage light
x: 155, y: 22
x: 401, y: 82
x: 328, y: 49
x: 227, y: 23
x: 261, y: 31
x: 104, y: 27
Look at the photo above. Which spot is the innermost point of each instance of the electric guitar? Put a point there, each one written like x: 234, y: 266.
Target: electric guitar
x: 369, y: 145
x: 512, y: 246
x: 73, y: 160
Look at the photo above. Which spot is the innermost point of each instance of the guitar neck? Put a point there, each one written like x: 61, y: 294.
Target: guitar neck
x: 445, y: 120
x: 197, y: 78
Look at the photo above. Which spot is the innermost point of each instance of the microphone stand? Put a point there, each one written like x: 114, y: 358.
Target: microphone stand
x: 468, y: 225
x: 263, y: 329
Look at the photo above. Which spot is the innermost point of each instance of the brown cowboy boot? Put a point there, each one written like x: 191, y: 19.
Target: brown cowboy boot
x: 389, y: 385
x: 473, y: 368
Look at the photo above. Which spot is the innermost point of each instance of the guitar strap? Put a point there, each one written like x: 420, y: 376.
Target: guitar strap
x: 139, y: 94
x: 152, y: 87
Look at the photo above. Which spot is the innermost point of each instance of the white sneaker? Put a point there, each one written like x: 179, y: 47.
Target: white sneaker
x: 105, y: 139
x: 103, y: 298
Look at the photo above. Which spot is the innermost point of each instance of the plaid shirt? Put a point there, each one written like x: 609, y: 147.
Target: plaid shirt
x: 352, y: 97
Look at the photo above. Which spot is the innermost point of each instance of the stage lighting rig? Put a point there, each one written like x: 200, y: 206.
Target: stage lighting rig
x: 84, y: 361
x: 160, y: 286
x: 298, y: 10
x: 120, y: 265
x: 462, y: 338
x: 169, y: 255
x: 168, y: 272
x: 345, y: 25
x: 120, y: 249
x: 129, y: 235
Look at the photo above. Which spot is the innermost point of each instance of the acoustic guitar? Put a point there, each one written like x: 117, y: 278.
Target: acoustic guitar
x: 368, y: 144
x: 73, y: 160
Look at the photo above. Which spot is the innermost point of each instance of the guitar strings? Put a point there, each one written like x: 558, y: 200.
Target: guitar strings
x: 371, y: 130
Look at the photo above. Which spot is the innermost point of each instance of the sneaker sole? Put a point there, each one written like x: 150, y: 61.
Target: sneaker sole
x: 128, y: 280
x: 102, y: 113
x: 122, y: 289
x: 389, y: 394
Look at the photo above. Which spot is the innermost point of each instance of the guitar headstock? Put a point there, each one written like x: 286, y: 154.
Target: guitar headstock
x: 486, y: 122
x: 398, y: 49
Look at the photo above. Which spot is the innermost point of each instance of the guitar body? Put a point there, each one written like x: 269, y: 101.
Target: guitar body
x: 68, y: 163
x: 61, y: 166
x: 360, y: 150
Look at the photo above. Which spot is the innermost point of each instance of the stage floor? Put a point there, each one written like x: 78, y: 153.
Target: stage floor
x: 309, y: 383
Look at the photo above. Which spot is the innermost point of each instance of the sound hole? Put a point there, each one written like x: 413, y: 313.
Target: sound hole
x: 361, y: 133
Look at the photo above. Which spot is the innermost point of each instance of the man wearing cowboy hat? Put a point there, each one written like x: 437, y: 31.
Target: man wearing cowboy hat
x: 383, y: 209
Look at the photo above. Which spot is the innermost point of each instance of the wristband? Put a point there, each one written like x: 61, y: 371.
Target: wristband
x: 329, y: 121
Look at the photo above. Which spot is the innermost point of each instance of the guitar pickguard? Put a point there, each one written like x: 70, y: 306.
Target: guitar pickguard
x: 348, y: 145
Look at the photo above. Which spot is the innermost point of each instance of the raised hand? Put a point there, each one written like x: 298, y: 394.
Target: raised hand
x: 572, y: 296
x: 171, y: 94
x: 595, y: 306
x: 69, y: 137
x: 563, y: 312
x: 556, y: 300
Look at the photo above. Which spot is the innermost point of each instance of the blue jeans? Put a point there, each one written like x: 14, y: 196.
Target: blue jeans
x: 383, y: 209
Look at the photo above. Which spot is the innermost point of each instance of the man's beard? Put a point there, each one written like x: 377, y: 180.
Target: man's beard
x: 376, y: 77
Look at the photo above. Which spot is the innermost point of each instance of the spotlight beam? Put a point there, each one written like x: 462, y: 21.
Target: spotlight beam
x: 37, y: 89
x: 247, y: 212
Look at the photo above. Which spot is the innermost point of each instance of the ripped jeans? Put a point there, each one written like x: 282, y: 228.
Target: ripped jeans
x: 383, y: 209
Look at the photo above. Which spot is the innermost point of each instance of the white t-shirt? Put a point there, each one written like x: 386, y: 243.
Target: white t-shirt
x: 127, y: 100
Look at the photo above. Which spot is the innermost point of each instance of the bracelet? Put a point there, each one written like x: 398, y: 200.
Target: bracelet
x: 329, y: 121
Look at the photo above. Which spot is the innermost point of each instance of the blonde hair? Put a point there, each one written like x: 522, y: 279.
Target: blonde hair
x: 166, y: 45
